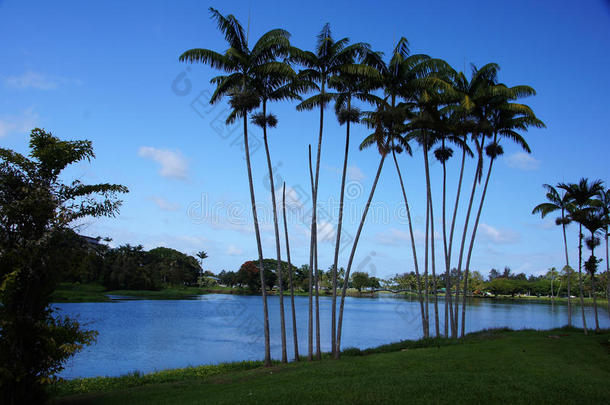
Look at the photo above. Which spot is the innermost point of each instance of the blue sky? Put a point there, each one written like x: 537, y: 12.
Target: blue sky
x: 109, y: 72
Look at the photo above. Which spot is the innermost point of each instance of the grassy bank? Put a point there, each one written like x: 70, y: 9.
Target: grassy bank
x: 560, y: 366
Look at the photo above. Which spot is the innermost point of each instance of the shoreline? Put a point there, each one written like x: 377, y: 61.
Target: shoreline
x: 80, y: 293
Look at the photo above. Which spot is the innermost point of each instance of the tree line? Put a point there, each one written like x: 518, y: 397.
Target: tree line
x: 407, y: 99
x: 587, y: 204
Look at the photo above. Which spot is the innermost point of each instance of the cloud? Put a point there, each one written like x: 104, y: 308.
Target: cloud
x: 233, y: 250
x: 354, y: 173
x: 165, y: 205
x: 497, y: 236
x: 173, y: 163
x: 39, y: 81
x: 522, y: 161
x: 21, y: 123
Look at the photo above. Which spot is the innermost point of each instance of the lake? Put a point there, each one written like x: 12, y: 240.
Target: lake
x: 149, y: 335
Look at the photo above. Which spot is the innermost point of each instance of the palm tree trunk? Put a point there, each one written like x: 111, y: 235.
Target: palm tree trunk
x: 258, y: 245
x: 582, y: 301
x: 607, y: 275
x: 311, y: 263
x: 447, y: 273
x: 471, y: 247
x: 294, y: 317
x: 316, y: 279
x: 277, y: 239
x: 314, y: 224
x: 351, y: 256
x: 432, y: 254
x: 565, y: 245
x: 463, y: 243
x: 452, y: 314
x: 338, y: 239
x: 415, y: 263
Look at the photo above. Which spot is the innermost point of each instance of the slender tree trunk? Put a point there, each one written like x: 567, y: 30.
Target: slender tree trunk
x: 607, y: 274
x: 311, y: 264
x: 277, y: 239
x: 463, y: 243
x: 582, y: 301
x: 565, y: 245
x: 338, y: 239
x: 258, y: 245
x: 452, y: 314
x: 351, y: 256
x: 415, y: 263
x: 471, y: 247
x: 432, y: 253
x: 294, y: 317
x: 426, y: 256
x: 447, y: 274
x: 317, y: 278
x: 314, y: 226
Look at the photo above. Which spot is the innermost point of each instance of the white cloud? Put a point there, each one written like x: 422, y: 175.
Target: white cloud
x: 165, y: 205
x: 173, y: 163
x: 354, y: 173
x: 39, y: 81
x: 21, y: 123
x: 522, y: 161
x: 497, y: 236
x: 233, y: 250
x: 395, y: 237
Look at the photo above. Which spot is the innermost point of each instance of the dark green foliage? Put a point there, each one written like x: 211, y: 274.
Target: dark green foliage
x: 36, y: 243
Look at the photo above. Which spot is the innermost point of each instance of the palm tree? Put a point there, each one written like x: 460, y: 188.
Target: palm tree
x: 294, y: 317
x: 328, y: 60
x: 242, y: 66
x: 503, y: 119
x: 473, y: 96
x: 275, y: 84
x: 580, y: 196
x: 202, y: 256
x: 382, y: 120
x: 593, y: 221
x: 604, y: 207
x: 558, y: 202
x: 353, y: 81
x: 400, y: 78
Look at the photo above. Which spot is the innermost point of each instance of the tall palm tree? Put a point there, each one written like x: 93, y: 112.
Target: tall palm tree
x: 382, y: 120
x: 242, y: 65
x: 202, y: 255
x: 275, y: 84
x: 604, y: 207
x: 328, y: 59
x: 352, y: 82
x: 593, y: 221
x: 504, y: 119
x: 473, y: 95
x: 294, y: 317
x: 401, y: 78
x: 558, y: 202
x: 580, y: 195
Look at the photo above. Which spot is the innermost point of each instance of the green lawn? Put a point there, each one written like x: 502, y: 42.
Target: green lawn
x: 561, y: 366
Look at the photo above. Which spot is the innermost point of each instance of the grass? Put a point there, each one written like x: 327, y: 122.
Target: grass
x: 559, y: 366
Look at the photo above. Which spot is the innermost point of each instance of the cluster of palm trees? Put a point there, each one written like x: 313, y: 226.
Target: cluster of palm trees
x: 586, y: 203
x: 413, y: 99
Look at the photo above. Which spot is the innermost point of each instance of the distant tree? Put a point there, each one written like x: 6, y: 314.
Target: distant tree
x: 360, y: 280
x: 493, y: 274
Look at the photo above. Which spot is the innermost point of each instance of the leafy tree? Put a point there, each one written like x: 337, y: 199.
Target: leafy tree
x: 36, y: 211
x: 359, y: 280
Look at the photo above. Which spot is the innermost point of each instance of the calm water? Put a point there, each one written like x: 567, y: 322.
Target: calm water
x: 154, y: 335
